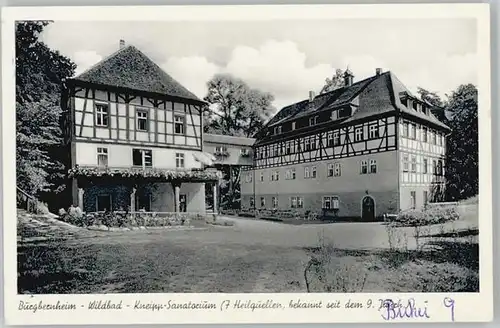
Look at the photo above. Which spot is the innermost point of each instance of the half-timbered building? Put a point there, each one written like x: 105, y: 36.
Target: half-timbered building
x: 134, y: 137
x: 360, y: 151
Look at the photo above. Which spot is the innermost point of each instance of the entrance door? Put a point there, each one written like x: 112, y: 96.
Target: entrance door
x: 182, y: 203
x: 368, y: 209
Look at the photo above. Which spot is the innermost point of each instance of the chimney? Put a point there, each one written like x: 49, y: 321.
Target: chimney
x: 311, y: 96
x: 378, y: 71
x: 122, y: 44
x: 348, y: 78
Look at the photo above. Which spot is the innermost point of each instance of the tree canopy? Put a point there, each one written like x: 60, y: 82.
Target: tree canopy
x: 40, y: 73
x: 462, y: 164
x: 335, y: 82
x: 235, y: 108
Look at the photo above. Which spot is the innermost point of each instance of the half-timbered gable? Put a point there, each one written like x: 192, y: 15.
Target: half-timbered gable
x: 126, y: 115
x: 347, y: 145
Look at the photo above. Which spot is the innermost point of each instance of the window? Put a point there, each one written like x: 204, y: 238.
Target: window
x: 426, y: 198
x: 313, y: 120
x: 424, y: 109
x: 439, y: 140
x: 103, y: 203
x: 415, y: 105
x: 252, y: 202
x: 293, y: 125
x: 102, y: 156
x: 424, y: 166
x: 306, y: 172
x: 364, y: 167
x: 307, y: 145
x: 275, y: 176
x: 405, y: 163
x: 424, y: 134
x: 334, y: 115
x: 414, y: 164
x: 102, y: 114
x: 261, y: 176
x: 262, y: 202
x: 142, y: 157
x: 374, y: 131
x: 336, y: 138
x: 331, y: 202
x: 179, y: 124
x: 434, y: 166
x: 300, y: 202
x: 142, y: 120
x: 359, y: 134
x: 405, y: 129
x: 413, y: 134
x: 288, y: 175
x: 179, y: 160
x: 287, y: 148
x: 293, y: 202
x: 329, y: 139
x: 248, y: 177
x: 313, y: 172
x: 275, y: 202
x: 433, y: 135
x: 292, y: 174
x: 327, y: 202
x: 440, y: 167
x: 330, y: 170
x: 277, y: 129
x: 413, y: 199
x: 244, y: 152
x: 373, y: 166
x: 337, y: 171
x: 312, y: 142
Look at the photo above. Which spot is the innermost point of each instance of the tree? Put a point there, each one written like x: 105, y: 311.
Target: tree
x: 337, y: 81
x: 462, y: 165
x: 40, y: 73
x: 235, y: 108
x: 434, y: 99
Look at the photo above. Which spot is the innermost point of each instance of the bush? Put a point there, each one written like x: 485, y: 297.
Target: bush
x: 429, y: 216
x: 325, y: 272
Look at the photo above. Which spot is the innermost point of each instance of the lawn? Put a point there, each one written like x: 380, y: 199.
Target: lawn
x: 251, y: 256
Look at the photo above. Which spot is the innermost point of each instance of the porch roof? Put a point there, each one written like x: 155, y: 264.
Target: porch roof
x: 166, y: 175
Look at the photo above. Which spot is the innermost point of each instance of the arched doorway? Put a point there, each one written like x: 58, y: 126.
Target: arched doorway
x: 368, y: 208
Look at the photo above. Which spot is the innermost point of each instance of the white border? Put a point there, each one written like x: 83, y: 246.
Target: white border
x: 472, y: 307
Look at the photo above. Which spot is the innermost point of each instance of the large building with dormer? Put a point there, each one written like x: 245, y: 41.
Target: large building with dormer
x: 134, y: 138
x: 360, y: 151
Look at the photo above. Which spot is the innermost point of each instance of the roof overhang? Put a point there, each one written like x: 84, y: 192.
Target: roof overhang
x: 143, y: 93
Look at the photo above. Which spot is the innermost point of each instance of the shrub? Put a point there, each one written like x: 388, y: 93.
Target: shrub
x: 326, y: 272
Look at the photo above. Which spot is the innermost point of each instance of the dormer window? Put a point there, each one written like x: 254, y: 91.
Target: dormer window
x: 404, y: 102
x: 335, y: 115
x: 313, y: 120
x: 415, y: 105
x: 293, y: 125
x: 277, y: 129
x: 424, y: 109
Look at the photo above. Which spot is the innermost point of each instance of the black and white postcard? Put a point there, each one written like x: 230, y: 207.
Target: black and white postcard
x: 247, y: 164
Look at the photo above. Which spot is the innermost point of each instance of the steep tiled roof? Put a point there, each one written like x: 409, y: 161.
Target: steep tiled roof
x: 223, y: 139
x: 130, y: 68
x: 377, y: 95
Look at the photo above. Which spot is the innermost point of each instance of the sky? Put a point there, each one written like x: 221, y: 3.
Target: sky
x: 285, y: 58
